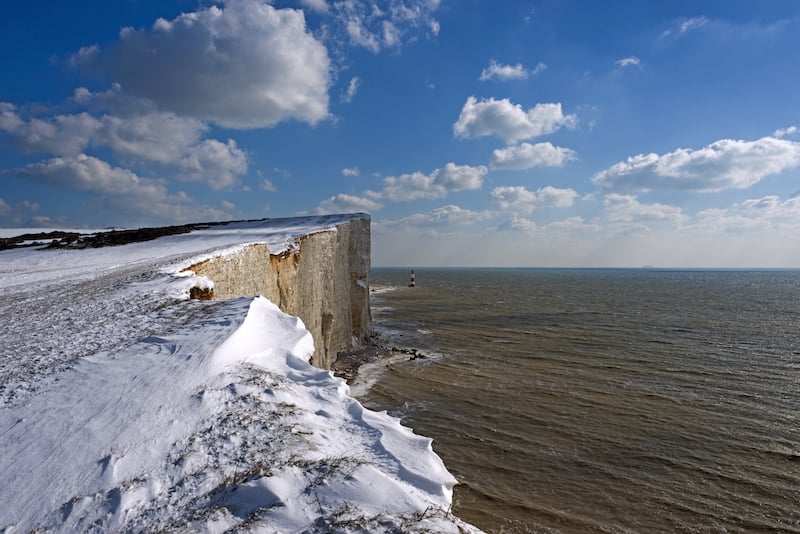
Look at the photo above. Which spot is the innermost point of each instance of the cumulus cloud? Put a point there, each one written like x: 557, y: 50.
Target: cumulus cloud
x: 780, y: 133
x: 62, y: 134
x: 439, y: 183
x: 765, y: 213
x: 499, y: 71
x: 88, y: 173
x: 627, y: 209
x: 320, y: 6
x: 519, y: 200
x: 156, y: 136
x: 118, y: 189
x: 216, y: 163
x: 631, y: 61
x: 22, y: 214
x: 344, y: 203
x: 149, y: 136
x: 351, y: 171
x: 509, y: 121
x: 268, y: 186
x: 724, y: 164
x: 243, y: 65
x: 527, y: 156
x: 164, y: 138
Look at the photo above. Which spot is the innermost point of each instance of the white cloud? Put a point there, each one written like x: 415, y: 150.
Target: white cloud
x: 685, y: 25
x: 526, y: 156
x: 5, y: 209
x: 439, y: 183
x: 509, y: 121
x: 571, y: 226
x: 518, y: 224
x: 519, y: 200
x: 351, y: 171
x: 768, y: 213
x: 499, y: 71
x: 216, y: 163
x: 380, y: 25
x: 87, y: 173
x: 391, y: 34
x: 283, y: 173
x: 361, y: 36
x: 631, y: 61
x: 449, y: 215
x: 161, y: 137
x: 628, y: 209
x: 343, y: 203
x: 228, y: 205
x: 243, y: 65
x: 268, y: 186
x: 62, y: 134
x: 150, y: 136
x: 538, y: 69
x: 780, y: 133
x: 9, y: 119
x: 84, y: 55
x: 352, y: 89
x: 725, y: 164
x: 118, y: 190
x: 693, y: 23
x: 21, y: 214
x: 320, y: 6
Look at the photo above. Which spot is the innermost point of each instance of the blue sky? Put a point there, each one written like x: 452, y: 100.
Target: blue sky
x: 475, y: 132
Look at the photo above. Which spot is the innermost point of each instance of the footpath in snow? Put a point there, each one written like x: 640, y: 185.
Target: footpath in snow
x: 159, y: 413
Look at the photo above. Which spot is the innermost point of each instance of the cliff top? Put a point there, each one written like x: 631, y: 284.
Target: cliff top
x: 126, y: 408
x: 11, y: 238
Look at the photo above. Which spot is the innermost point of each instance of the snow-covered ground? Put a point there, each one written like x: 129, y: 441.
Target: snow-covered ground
x: 128, y: 407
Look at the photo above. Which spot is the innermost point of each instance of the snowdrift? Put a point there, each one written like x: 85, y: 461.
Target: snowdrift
x: 146, y: 413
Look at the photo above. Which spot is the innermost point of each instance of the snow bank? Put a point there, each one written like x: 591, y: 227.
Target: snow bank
x: 142, y: 413
x: 219, y: 424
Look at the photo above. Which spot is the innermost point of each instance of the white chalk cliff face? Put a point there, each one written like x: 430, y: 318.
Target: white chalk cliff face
x: 128, y: 407
x: 322, y: 278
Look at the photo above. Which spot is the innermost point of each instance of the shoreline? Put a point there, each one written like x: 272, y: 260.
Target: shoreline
x: 349, y: 362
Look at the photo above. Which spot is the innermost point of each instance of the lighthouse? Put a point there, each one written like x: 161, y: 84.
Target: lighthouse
x: 413, y: 282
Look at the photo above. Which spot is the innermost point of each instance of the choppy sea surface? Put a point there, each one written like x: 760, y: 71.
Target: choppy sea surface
x: 602, y: 400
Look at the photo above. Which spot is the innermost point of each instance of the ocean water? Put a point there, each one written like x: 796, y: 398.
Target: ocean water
x: 602, y: 400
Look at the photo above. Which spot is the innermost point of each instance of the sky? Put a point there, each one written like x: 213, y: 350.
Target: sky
x: 476, y: 133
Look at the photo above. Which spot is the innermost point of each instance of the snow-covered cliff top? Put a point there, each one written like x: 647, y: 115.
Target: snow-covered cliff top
x: 128, y: 407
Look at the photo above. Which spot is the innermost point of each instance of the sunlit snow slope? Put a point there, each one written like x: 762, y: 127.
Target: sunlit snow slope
x: 127, y: 407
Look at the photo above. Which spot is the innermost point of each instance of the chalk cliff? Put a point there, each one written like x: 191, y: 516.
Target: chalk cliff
x: 321, y: 278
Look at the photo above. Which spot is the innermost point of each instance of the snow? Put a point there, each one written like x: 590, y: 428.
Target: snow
x: 128, y: 407
x: 14, y: 232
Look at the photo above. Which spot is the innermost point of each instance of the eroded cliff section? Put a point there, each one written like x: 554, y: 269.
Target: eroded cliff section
x: 322, y: 278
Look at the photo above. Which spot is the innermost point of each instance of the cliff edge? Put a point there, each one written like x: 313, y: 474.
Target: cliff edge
x: 321, y: 277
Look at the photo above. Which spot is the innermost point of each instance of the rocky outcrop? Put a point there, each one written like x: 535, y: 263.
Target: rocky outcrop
x: 322, y: 278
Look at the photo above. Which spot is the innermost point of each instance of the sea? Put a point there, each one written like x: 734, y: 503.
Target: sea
x: 607, y: 400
